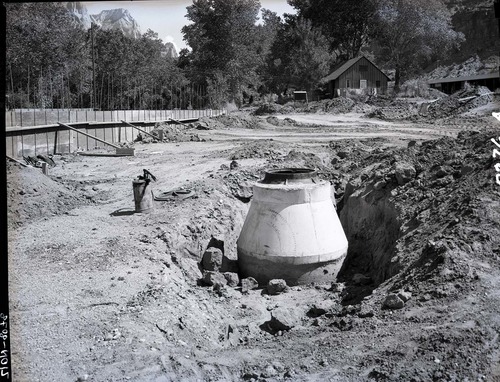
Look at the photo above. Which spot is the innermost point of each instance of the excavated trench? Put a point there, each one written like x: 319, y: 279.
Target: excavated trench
x: 372, y: 225
x: 371, y: 222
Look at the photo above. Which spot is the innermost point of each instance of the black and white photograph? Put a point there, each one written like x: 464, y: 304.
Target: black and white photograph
x: 251, y: 190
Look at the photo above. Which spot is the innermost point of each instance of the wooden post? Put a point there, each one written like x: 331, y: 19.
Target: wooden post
x: 55, y: 141
x: 70, y: 138
x: 141, y: 130
x: 88, y: 135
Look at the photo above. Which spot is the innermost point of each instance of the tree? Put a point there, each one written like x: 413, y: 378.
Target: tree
x: 44, y: 46
x: 412, y: 32
x: 221, y: 37
x: 299, y: 56
x: 347, y: 24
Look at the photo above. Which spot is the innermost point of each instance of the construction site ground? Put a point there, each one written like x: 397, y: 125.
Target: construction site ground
x: 101, y: 293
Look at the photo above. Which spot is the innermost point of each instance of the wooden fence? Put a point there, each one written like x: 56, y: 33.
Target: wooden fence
x: 41, y: 117
x: 55, y: 139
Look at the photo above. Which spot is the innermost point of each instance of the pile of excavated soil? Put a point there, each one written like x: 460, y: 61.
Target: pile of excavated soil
x: 176, y: 133
x: 227, y: 121
x: 452, y: 105
x: 424, y: 220
x: 333, y: 106
x: 31, y: 194
x: 261, y: 149
x: 396, y: 110
x: 275, y: 121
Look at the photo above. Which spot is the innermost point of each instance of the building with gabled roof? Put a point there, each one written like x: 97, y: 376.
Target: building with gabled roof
x: 357, y: 74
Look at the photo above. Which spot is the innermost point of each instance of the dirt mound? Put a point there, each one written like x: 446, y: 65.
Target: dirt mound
x: 334, y: 106
x: 396, y: 110
x: 268, y: 108
x: 175, y: 133
x: 423, y: 191
x: 261, y: 149
x: 33, y: 195
x: 460, y: 102
x: 281, y: 122
x: 236, y: 120
x: 412, y: 219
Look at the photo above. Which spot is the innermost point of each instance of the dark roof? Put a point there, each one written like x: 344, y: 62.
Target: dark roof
x: 346, y: 65
x: 465, y: 78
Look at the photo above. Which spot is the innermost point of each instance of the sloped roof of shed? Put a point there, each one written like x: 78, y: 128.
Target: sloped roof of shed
x: 338, y: 72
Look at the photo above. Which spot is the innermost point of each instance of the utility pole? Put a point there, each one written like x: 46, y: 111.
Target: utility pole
x: 93, y: 66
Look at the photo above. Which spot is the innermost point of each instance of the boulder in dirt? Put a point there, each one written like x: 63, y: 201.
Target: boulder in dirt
x: 232, y: 278
x: 320, y: 308
x: 404, y: 172
x: 234, y: 165
x: 393, y: 301
x: 214, y: 279
x: 212, y: 259
x: 248, y: 284
x: 285, y: 318
x: 276, y: 286
x: 405, y: 296
x: 365, y: 312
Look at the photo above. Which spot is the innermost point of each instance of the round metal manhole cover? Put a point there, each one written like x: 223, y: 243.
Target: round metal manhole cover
x: 292, y: 175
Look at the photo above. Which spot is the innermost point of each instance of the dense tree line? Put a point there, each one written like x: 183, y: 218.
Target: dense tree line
x: 233, y: 56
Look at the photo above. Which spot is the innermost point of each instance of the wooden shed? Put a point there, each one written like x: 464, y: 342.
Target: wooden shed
x: 453, y: 84
x: 358, y: 75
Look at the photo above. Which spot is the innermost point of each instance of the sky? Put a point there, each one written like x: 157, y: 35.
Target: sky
x: 166, y: 17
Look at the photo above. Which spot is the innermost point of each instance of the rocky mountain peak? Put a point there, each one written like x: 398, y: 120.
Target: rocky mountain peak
x: 79, y: 13
x: 118, y: 19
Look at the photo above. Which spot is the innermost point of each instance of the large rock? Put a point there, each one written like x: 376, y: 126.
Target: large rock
x: 405, y: 296
x: 404, y: 172
x: 393, y: 301
x: 248, y: 284
x: 321, y: 308
x: 276, y: 286
x: 232, y: 278
x: 285, y: 318
x: 214, y: 279
x: 212, y: 259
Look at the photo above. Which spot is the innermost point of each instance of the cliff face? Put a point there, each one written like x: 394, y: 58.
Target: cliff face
x: 119, y: 19
x: 476, y: 20
x: 80, y: 14
x: 169, y: 50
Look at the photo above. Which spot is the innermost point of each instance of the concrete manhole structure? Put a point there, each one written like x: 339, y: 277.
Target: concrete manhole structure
x: 292, y: 230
